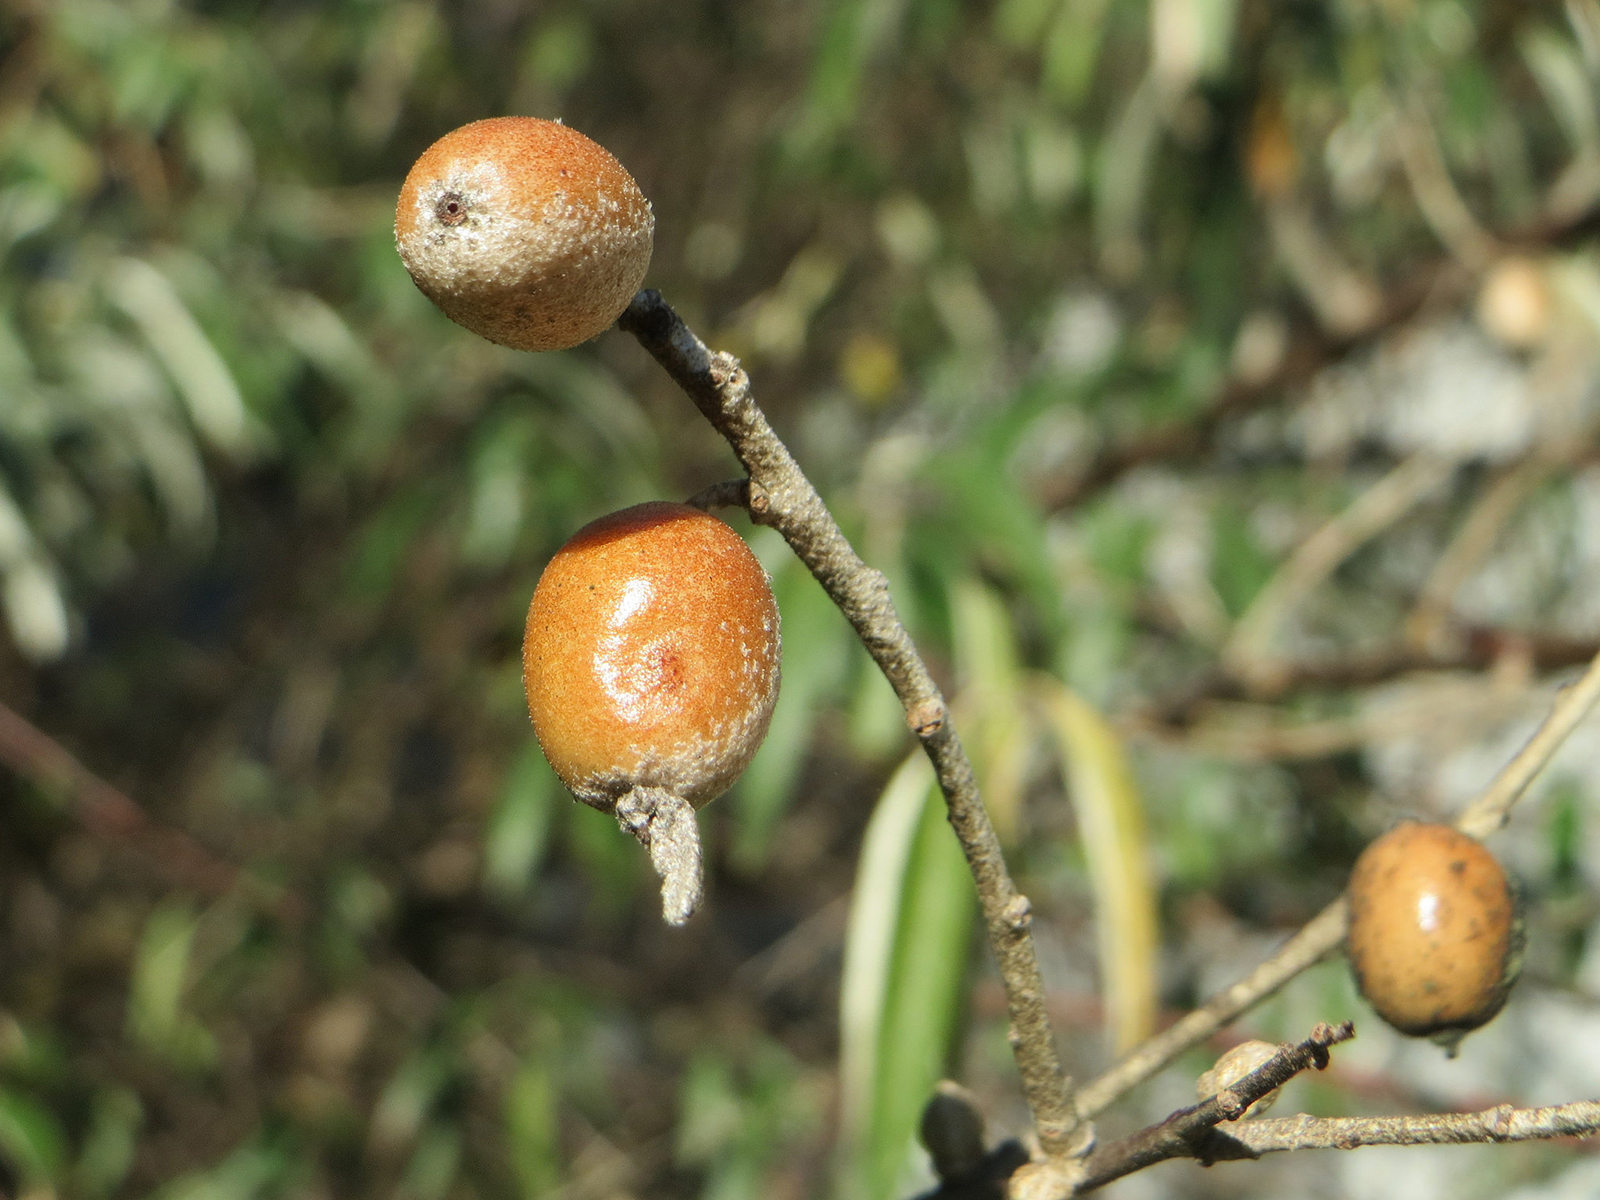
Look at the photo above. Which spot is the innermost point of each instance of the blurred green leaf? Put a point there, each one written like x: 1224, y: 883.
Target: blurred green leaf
x: 1020, y: 22
x: 997, y: 528
x: 34, y: 1056
x: 1566, y: 832
x: 378, y: 403
x: 1240, y: 565
x: 1126, y: 157
x: 615, y: 866
x: 32, y: 1139
x: 998, y: 732
x: 408, y: 1098
x: 203, y: 379
x: 876, y: 721
x: 532, y: 1130
x: 434, y: 1163
x: 1072, y: 48
x: 157, y: 1018
x: 738, y: 1114
x: 159, y: 977
x: 500, y: 495
x: 906, y: 951
x: 853, y: 32
x: 244, y: 1175
x: 1119, y: 540
x: 708, y: 1110
x: 519, y: 828
x: 1111, y: 823
x: 109, y: 1144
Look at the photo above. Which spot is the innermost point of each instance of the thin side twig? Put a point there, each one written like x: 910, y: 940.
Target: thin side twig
x: 1492, y: 809
x: 1323, y: 934
x: 1491, y: 512
x: 1318, y: 938
x: 1252, y: 1139
x: 1259, y: 732
x: 720, y: 389
x: 1186, y: 1132
x: 1437, y: 197
x: 730, y: 493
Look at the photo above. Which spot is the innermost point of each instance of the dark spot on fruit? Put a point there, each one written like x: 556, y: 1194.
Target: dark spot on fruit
x: 451, y: 209
x: 668, y: 670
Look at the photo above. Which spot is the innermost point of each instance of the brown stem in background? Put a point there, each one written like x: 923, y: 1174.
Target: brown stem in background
x: 112, y: 816
x: 1479, y: 650
x: 1437, y: 197
x: 721, y: 391
x: 1309, y: 351
x: 1248, y: 652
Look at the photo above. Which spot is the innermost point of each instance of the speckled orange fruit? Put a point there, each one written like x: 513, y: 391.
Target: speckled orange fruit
x: 651, y: 655
x: 1433, y: 932
x: 524, y: 231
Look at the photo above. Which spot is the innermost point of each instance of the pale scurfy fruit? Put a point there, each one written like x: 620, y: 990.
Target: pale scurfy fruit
x: 1434, y: 939
x: 524, y: 231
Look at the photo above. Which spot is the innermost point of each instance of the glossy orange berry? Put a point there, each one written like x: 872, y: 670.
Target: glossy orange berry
x: 651, y: 655
x: 651, y: 663
x: 1433, y: 939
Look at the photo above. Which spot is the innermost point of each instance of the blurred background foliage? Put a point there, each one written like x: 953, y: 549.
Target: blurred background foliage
x: 1214, y: 379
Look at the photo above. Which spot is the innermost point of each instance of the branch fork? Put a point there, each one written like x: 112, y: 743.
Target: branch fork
x: 778, y: 494
x: 1193, y: 1132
